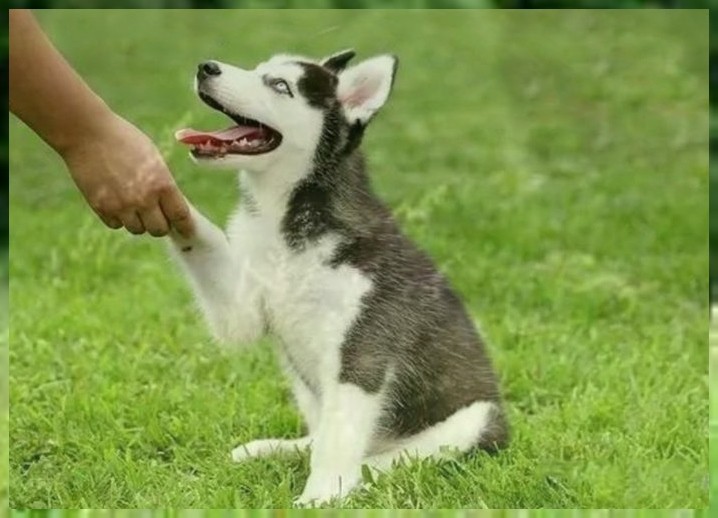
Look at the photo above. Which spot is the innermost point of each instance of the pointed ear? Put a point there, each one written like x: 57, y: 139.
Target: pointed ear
x: 364, y: 88
x: 338, y: 61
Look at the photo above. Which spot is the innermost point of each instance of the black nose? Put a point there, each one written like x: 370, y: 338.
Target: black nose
x: 208, y: 68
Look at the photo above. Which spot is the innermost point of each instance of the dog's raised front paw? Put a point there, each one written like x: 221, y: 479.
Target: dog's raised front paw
x: 182, y: 243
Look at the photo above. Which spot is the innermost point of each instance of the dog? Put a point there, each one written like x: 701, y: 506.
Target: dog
x: 384, y: 361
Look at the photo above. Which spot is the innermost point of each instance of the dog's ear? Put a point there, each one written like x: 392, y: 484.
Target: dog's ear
x: 338, y: 61
x: 364, y: 88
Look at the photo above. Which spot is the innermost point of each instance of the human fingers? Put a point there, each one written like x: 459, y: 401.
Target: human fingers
x: 110, y: 221
x: 154, y: 221
x: 176, y: 210
x: 132, y: 222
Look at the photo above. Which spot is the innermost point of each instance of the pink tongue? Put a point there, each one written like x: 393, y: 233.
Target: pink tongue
x: 191, y: 136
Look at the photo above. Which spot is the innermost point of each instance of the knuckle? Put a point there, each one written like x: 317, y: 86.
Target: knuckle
x: 127, y: 205
x: 176, y: 211
x: 145, y: 203
x: 105, y: 206
x: 181, y: 214
x: 165, y: 187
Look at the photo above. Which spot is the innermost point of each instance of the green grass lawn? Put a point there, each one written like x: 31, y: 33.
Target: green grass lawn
x: 4, y: 410
x: 713, y: 413
x: 554, y: 165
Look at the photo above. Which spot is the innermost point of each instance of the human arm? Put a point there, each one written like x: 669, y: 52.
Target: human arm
x: 118, y: 169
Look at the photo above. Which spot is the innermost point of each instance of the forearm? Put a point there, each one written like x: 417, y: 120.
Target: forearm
x: 45, y: 92
x: 118, y: 169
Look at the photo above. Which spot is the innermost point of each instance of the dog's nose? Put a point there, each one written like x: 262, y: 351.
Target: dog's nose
x: 208, y: 68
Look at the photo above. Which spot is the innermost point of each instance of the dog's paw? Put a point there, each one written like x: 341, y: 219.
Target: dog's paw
x: 182, y: 243
x: 305, y: 501
x: 320, y: 490
x: 253, y: 449
x: 301, y: 503
x: 316, y: 499
x: 265, y: 447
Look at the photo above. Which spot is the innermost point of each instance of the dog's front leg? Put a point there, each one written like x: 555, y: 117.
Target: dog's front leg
x: 346, y: 425
x: 225, y: 289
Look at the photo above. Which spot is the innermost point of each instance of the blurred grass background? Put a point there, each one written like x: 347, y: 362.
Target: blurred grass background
x: 417, y: 4
x: 4, y: 223
x: 380, y: 4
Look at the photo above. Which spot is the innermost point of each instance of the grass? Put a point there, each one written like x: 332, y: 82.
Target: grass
x: 344, y: 513
x: 336, y: 513
x: 4, y: 410
x: 553, y: 163
x: 713, y: 412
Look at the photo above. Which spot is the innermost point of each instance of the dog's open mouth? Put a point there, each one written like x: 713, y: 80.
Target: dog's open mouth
x: 246, y: 137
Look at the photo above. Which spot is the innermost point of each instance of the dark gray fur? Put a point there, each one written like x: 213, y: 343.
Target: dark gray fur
x: 413, y: 327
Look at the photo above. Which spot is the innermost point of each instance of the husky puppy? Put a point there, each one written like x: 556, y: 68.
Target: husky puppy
x: 381, y: 354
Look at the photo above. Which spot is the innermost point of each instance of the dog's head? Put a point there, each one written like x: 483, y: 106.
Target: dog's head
x: 288, y: 107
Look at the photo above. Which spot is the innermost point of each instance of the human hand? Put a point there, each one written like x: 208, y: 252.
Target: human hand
x: 123, y: 177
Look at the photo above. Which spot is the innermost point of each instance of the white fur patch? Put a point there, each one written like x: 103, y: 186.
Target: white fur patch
x: 346, y: 427
x: 312, y: 306
x: 459, y: 432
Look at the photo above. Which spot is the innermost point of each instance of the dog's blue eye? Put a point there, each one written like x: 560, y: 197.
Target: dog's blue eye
x: 281, y: 86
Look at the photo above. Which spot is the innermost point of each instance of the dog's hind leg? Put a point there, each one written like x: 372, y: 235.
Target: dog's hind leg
x: 307, y: 403
x: 479, y: 424
x: 226, y: 291
x: 266, y: 447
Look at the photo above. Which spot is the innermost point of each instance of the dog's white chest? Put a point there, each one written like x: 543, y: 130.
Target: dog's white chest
x: 310, y: 305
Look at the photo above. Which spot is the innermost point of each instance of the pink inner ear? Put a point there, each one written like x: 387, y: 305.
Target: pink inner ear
x: 360, y: 91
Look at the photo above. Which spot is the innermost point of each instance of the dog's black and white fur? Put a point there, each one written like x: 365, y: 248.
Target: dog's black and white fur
x: 382, y: 356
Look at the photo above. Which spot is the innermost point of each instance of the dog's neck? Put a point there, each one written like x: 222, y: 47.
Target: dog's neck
x: 267, y: 193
